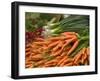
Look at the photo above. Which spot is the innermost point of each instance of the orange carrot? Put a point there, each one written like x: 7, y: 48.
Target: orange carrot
x: 86, y: 62
x: 32, y: 54
x: 57, y: 38
x: 88, y: 51
x: 83, y: 50
x: 73, y: 47
x: 66, y: 62
x: 69, y: 64
x: 50, y: 65
x: 77, y: 58
x: 67, y: 43
x: 58, y: 58
x: 70, y: 34
x: 35, y: 51
x: 39, y: 43
x: 28, y: 53
x: 39, y: 63
x: 56, y: 53
x: 39, y: 39
x: 53, y: 44
x: 29, y: 64
x: 28, y: 45
x: 36, y: 57
x: 62, y: 60
x: 68, y: 48
x: 27, y: 49
x: 51, y: 61
x: 63, y: 54
x: 85, y: 56
x: 82, y: 59
x: 39, y: 50
x: 57, y: 47
x: 75, y: 64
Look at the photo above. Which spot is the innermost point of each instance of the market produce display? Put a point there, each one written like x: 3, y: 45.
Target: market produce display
x: 59, y: 42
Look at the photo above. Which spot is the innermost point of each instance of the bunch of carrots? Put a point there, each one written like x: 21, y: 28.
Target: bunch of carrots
x: 56, y: 52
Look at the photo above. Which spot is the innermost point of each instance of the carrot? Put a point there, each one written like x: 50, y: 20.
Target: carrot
x: 70, y: 37
x: 32, y: 54
x: 69, y: 64
x: 66, y: 49
x: 39, y: 50
x: 67, y: 43
x: 39, y: 43
x: 28, y: 53
x: 39, y: 39
x: 82, y: 59
x: 36, y: 57
x: 35, y: 51
x: 56, y: 53
x: 75, y: 64
x: 58, y: 58
x: 27, y: 49
x: 57, y: 38
x: 86, y: 62
x: 85, y: 56
x: 28, y: 45
x: 70, y: 34
x: 57, y: 47
x: 50, y: 65
x: 73, y: 47
x: 41, y: 62
x: 51, y: 61
x: 33, y: 43
x: 77, y: 58
x: 83, y: 50
x: 64, y: 58
x: 53, y: 44
x: 63, y: 54
x: 88, y: 51
x: 66, y: 61
x: 27, y: 60
x: 29, y: 64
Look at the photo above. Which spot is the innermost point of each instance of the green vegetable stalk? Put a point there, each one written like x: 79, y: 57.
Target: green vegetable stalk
x: 72, y: 23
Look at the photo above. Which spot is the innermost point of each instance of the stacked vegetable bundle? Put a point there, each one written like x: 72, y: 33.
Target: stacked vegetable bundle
x: 57, y: 51
x: 64, y: 43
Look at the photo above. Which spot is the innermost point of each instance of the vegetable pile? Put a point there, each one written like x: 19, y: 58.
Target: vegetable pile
x: 58, y: 43
x: 57, y: 51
